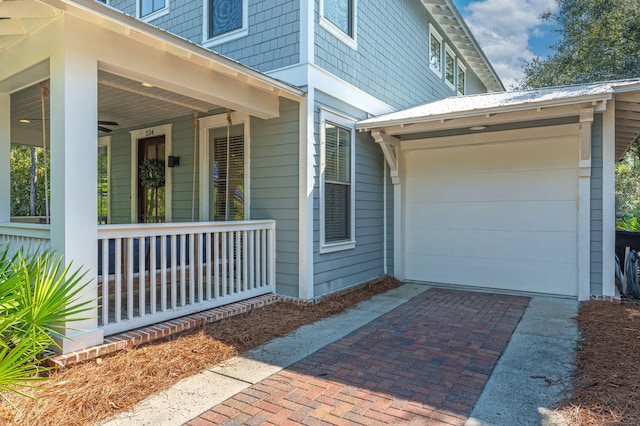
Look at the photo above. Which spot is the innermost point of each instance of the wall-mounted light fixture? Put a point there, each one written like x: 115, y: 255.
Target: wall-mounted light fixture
x: 173, y: 161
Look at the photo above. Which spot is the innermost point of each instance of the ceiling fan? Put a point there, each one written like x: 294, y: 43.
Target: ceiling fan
x: 102, y: 123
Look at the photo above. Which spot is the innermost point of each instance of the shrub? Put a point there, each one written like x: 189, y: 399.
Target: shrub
x: 37, y: 300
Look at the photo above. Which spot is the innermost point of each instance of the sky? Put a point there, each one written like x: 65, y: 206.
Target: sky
x: 509, y: 32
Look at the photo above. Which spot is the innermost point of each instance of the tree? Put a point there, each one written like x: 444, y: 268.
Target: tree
x: 27, y: 181
x: 598, y: 40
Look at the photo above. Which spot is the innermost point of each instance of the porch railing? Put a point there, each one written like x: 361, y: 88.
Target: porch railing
x: 30, y: 236
x: 152, y: 273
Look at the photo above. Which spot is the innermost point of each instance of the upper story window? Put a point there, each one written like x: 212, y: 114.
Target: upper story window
x: 461, y: 79
x: 338, y: 17
x: 337, y: 183
x: 225, y: 20
x: 435, y: 51
x: 449, y: 68
x: 152, y: 9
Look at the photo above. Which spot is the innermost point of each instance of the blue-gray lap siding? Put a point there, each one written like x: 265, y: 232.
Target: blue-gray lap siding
x: 274, y: 154
x: 337, y: 270
x: 596, y: 205
x: 274, y: 30
x: 391, y: 60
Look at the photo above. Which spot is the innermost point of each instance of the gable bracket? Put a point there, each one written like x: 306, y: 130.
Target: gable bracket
x: 389, y: 146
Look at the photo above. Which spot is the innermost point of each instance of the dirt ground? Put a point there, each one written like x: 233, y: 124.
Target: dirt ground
x: 606, y: 385
x: 87, y: 393
x: 605, y: 389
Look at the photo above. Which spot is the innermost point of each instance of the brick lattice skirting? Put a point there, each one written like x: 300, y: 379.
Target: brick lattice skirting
x: 158, y: 331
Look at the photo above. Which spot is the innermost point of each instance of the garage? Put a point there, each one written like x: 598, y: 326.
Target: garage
x: 494, y: 215
x: 510, y: 191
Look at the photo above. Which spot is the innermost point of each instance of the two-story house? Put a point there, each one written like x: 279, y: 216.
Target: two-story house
x: 222, y: 176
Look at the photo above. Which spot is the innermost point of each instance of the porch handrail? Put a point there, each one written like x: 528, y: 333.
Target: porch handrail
x: 159, y: 229
x: 29, y: 230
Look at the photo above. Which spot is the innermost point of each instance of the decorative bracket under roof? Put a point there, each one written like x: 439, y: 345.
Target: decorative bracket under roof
x: 389, y: 146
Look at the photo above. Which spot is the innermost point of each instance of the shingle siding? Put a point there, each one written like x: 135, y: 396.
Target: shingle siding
x: 596, y: 205
x: 391, y: 60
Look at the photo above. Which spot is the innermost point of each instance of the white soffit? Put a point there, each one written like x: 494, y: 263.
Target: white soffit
x: 19, y: 18
x: 448, y: 17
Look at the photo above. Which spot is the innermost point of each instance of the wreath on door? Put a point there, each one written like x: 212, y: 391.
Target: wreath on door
x: 152, y: 173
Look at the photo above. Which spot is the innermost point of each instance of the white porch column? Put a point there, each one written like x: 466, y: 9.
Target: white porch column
x: 5, y: 150
x: 74, y: 151
x: 584, y: 204
x: 609, y: 199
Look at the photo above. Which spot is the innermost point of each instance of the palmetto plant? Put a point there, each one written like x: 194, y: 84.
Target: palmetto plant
x: 38, y: 298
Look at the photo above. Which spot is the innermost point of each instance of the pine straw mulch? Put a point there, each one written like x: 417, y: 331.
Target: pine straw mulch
x: 606, y: 387
x: 87, y: 393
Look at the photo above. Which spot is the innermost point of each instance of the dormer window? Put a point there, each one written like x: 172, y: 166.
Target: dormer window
x: 224, y: 21
x: 461, y: 79
x: 338, y: 17
x: 449, y: 68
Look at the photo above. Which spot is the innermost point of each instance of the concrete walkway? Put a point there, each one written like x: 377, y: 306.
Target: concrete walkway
x: 426, y: 361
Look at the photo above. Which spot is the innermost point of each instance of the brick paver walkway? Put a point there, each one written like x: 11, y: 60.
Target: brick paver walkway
x: 424, y: 363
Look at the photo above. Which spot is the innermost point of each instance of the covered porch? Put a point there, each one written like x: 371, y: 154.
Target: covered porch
x: 112, y: 100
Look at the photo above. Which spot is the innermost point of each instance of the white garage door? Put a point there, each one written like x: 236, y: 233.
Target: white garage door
x: 499, y: 216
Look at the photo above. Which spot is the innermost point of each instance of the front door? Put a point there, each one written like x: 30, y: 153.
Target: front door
x: 151, y: 180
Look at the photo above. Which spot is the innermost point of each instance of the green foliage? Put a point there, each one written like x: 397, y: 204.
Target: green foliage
x: 37, y: 299
x: 599, y: 40
x: 21, y: 178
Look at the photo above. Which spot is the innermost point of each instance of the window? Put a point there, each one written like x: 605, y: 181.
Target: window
x: 435, y: 51
x: 449, y: 68
x: 225, y: 20
x: 104, y: 168
x: 461, y: 79
x: 151, y: 9
x: 338, y: 17
x: 224, y: 167
x: 337, y: 186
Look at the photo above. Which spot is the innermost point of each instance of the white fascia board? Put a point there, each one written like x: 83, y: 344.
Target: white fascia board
x: 108, y: 17
x: 366, y: 125
x: 311, y: 75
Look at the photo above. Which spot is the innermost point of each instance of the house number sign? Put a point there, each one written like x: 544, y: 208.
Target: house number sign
x: 149, y: 132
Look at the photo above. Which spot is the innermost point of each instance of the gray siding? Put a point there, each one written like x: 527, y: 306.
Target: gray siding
x: 596, y: 205
x: 274, y: 187
x: 274, y: 30
x: 334, y: 271
x: 391, y: 61
x: 274, y: 36
x: 120, y: 177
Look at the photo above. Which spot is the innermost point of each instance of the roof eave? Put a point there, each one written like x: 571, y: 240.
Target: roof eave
x: 171, y: 42
x: 367, y: 126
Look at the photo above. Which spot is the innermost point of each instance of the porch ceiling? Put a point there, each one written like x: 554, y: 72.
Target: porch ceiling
x: 120, y: 99
x: 627, y: 121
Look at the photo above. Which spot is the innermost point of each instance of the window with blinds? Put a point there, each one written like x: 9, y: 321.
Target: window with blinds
x: 337, y: 183
x: 227, y: 174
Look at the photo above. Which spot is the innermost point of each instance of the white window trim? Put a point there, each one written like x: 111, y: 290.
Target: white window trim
x: 213, y: 122
x: 153, y: 15
x: 149, y: 132
x: 350, y: 41
x: 464, y: 70
x: 105, y: 141
x: 449, y: 51
x: 243, y: 31
x: 343, y: 121
x: 437, y: 36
